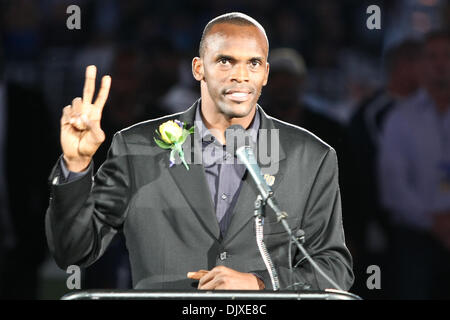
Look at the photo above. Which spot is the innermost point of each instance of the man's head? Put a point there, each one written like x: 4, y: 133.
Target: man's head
x: 287, y: 77
x: 232, y: 67
x: 282, y: 96
x: 402, y: 66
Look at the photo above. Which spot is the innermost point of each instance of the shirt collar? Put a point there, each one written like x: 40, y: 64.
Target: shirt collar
x: 205, y: 134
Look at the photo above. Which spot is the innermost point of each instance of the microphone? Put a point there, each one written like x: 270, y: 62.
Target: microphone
x: 243, y: 150
x: 246, y: 156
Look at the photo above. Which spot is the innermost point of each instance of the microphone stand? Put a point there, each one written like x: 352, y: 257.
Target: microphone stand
x: 267, y: 196
x: 259, y: 215
x: 281, y: 216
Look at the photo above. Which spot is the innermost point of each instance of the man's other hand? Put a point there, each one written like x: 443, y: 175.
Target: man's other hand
x: 223, y: 278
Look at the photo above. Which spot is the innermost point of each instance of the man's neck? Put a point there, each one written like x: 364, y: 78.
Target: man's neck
x: 217, y: 123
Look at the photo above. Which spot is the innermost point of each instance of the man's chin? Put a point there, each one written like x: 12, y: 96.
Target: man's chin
x: 237, y: 109
x: 235, y: 113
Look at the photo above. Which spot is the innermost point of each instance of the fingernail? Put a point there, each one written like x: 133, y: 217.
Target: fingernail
x: 91, y: 71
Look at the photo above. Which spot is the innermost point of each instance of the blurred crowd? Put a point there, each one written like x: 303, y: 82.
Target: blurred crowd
x: 380, y: 97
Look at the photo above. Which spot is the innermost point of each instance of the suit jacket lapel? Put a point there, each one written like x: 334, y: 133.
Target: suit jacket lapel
x: 243, y: 210
x: 192, y: 183
x: 194, y: 187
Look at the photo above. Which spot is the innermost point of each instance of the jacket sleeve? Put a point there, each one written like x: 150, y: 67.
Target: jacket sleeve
x: 84, y: 214
x: 324, y: 237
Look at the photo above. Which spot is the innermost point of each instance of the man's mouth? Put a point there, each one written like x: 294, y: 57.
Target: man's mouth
x: 238, y: 96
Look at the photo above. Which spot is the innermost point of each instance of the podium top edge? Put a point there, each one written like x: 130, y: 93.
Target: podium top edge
x: 139, y: 294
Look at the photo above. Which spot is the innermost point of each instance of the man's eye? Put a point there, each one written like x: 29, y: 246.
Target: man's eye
x: 224, y: 61
x: 255, y: 63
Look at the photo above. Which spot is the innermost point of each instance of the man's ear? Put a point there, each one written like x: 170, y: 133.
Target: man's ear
x: 266, y: 78
x: 197, y: 69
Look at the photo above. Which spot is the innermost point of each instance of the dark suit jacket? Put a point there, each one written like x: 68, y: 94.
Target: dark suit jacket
x: 168, y: 217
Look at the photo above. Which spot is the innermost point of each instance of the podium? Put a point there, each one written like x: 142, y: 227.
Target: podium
x: 328, y: 294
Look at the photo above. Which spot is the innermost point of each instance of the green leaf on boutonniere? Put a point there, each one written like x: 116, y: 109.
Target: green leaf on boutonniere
x: 172, y: 155
x: 183, y: 137
x: 190, y: 130
x: 171, y: 137
x: 162, y: 144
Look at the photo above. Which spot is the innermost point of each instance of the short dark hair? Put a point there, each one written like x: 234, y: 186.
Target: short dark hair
x: 236, y: 18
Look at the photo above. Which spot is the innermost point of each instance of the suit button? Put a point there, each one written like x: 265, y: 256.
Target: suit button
x: 223, y: 255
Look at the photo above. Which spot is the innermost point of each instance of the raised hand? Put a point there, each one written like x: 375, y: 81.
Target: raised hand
x: 81, y: 134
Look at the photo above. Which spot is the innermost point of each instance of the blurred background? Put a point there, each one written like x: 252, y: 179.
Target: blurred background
x: 380, y: 97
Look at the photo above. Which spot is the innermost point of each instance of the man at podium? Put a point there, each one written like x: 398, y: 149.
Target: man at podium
x: 183, y: 202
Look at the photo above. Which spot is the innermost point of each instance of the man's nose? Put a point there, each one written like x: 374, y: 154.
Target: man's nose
x: 240, y: 73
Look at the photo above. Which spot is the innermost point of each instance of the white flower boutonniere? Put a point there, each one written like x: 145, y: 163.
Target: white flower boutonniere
x: 173, y: 134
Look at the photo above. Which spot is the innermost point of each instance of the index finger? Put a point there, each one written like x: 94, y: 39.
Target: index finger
x: 197, y: 275
x: 89, y: 84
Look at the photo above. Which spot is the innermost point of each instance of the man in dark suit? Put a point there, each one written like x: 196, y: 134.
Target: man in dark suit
x: 193, y: 228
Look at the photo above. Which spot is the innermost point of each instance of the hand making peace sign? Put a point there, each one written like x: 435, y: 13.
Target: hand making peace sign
x: 81, y: 134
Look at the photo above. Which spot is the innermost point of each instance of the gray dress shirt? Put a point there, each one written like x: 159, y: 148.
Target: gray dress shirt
x: 224, y: 178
